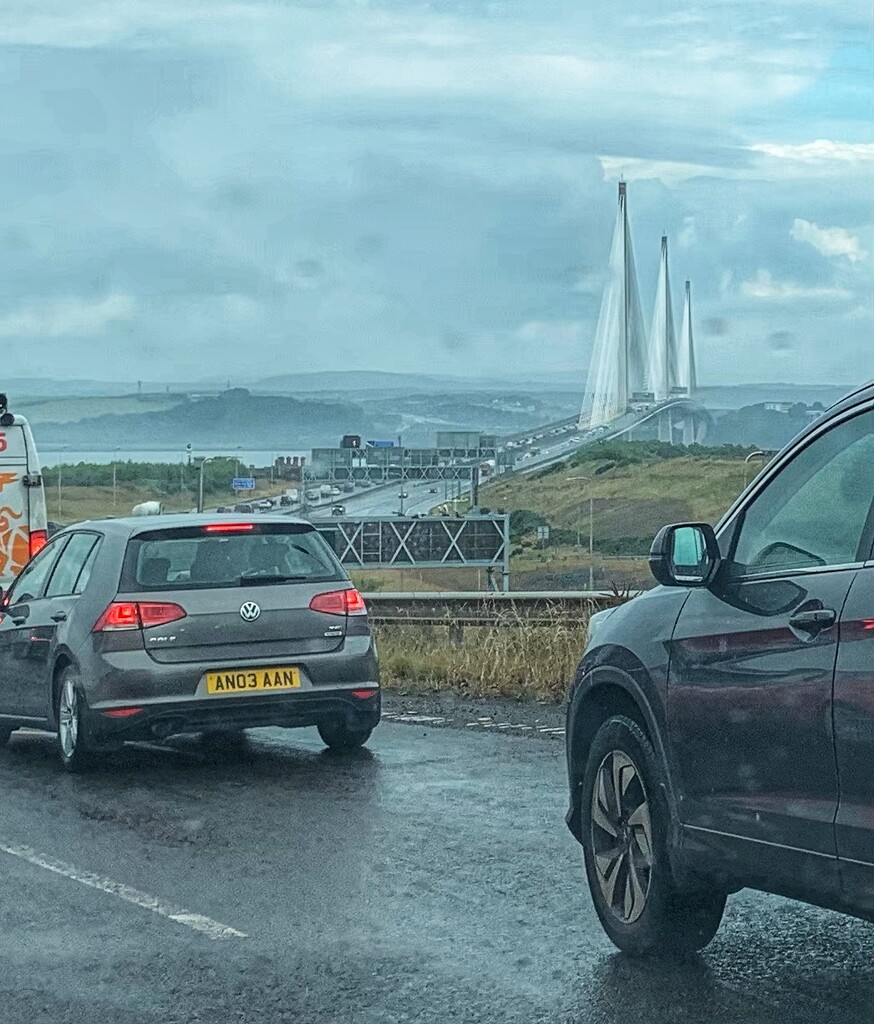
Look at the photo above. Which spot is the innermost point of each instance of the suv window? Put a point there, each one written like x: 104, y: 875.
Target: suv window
x: 32, y: 580
x: 70, y: 565
x: 813, y: 513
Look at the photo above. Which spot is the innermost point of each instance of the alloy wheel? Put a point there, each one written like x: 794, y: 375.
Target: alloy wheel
x: 68, y: 718
x: 621, y: 830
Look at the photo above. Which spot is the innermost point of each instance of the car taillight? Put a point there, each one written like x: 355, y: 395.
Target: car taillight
x: 339, y: 602
x: 229, y: 528
x: 159, y: 613
x: 138, y: 615
x: 38, y: 540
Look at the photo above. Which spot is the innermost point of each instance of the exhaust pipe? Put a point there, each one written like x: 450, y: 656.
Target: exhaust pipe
x: 166, y: 727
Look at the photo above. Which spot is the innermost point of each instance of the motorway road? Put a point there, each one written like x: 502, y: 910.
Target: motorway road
x: 384, y: 501
x: 429, y: 879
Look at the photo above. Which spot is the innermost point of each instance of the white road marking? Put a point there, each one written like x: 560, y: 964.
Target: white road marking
x: 206, y: 925
x: 421, y: 719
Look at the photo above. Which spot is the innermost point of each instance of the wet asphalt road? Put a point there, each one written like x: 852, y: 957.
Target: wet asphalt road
x: 429, y: 879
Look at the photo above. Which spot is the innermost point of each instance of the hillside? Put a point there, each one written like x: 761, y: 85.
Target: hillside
x: 235, y: 418
x: 75, y: 408
x: 636, y: 490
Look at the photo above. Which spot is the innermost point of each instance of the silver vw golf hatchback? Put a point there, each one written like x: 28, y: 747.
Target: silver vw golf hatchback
x: 131, y: 629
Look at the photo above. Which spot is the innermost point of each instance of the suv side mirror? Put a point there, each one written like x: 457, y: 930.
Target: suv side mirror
x: 685, y: 555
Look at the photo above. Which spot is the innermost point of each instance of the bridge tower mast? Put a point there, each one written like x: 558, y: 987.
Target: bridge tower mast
x: 619, y: 365
x: 686, y: 374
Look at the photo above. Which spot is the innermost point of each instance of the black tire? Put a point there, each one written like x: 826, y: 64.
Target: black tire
x: 339, y: 736
x: 625, y: 842
x: 74, y: 749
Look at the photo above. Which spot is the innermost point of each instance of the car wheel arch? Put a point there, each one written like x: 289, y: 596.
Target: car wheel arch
x: 603, y: 691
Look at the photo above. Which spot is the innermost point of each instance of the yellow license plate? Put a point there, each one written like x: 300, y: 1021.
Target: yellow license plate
x: 233, y: 680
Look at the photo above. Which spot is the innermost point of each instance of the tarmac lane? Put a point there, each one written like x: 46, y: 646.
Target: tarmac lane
x: 427, y: 878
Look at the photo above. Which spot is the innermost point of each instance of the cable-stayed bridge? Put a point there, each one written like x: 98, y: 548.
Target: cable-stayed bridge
x: 641, y: 382
x: 634, y: 370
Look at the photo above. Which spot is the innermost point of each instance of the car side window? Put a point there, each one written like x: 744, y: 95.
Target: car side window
x: 87, y: 568
x: 814, y: 512
x: 70, y: 564
x: 32, y: 579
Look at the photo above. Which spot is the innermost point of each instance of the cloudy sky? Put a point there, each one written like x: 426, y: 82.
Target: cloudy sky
x: 241, y: 187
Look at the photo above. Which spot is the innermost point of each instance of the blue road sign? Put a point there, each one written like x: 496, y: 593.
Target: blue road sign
x: 244, y: 483
x: 381, y: 444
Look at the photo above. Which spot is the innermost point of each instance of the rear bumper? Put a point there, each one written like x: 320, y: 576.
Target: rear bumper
x: 160, y: 719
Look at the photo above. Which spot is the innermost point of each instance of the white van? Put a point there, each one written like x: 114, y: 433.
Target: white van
x: 148, y: 508
x: 23, y: 521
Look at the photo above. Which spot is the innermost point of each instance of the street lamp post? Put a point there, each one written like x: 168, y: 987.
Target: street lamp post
x: 115, y: 479
x: 591, y: 531
x: 403, y: 476
x: 201, y: 463
x: 752, y: 455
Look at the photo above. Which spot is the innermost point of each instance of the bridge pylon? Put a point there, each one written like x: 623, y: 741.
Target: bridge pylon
x: 619, y: 365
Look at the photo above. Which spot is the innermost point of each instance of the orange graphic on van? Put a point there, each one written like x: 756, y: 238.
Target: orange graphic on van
x: 7, y: 478
x: 14, y: 541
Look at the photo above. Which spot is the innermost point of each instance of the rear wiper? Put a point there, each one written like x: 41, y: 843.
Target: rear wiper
x: 251, y: 579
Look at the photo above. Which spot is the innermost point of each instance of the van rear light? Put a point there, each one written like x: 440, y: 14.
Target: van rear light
x: 363, y: 694
x: 38, y: 540
x: 339, y: 602
x: 229, y: 528
x: 137, y: 615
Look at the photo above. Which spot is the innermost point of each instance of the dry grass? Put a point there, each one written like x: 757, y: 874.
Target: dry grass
x: 510, y: 659
x: 633, y: 500
x: 81, y: 503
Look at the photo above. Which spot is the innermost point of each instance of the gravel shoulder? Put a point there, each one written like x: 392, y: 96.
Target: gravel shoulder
x: 448, y: 709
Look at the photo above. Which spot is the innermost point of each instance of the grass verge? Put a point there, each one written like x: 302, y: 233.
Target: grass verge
x: 511, y: 658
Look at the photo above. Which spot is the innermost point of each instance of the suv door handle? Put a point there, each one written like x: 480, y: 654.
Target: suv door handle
x: 814, y: 621
x: 59, y: 617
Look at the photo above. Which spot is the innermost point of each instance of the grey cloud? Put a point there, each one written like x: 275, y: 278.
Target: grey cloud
x: 781, y: 341
x: 715, y: 326
x: 248, y: 210
x: 454, y: 341
x: 77, y: 111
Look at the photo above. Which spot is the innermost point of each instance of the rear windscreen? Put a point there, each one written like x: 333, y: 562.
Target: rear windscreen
x: 193, y: 558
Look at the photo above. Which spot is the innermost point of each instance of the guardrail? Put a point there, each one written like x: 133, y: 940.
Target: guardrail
x: 487, y: 608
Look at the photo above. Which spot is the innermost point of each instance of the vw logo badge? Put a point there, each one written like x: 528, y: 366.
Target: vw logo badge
x: 249, y: 611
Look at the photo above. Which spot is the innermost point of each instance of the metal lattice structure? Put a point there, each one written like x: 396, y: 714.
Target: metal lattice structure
x: 380, y: 465
x: 427, y: 542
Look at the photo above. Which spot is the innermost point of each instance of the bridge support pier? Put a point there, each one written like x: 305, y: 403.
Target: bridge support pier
x: 666, y: 427
x: 690, y: 428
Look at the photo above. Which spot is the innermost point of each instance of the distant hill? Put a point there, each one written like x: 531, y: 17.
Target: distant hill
x: 236, y: 418
x: 757, y: 425
x: 736, y: 396
x: 372, y: 383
